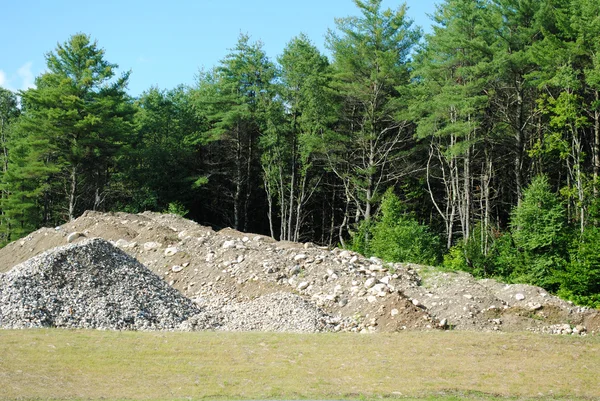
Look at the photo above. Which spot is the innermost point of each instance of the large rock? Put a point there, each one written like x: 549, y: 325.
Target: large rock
x: 89, y: 285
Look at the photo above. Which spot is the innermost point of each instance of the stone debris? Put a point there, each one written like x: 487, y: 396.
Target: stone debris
x: 73, y: 236
x: 170, y: 251
x: 277, y: 312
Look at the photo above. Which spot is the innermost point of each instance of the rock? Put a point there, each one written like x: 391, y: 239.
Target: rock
x: 375, y: 268
x: 228, y: 244
x: 345, y: 254
x: 176, y: 269
x: 468, y: 296
x: 299, y: 257
x: 371, y: 299
x: 375, y: 260
x: 170, y: 251
x: 370, y: 282
x: 380, y: 287
x: 73, y: 236
x: 303, y: 285
x: 394, y: 312
x: 519, y: 297
x: 416, y: 302
x: 121, y: 243
x: 443, y: 323
x: 148, y: 246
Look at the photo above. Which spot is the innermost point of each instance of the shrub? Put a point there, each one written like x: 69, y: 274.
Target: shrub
x: 177, y: 208
x: 580, y: 282
x: 539, y: 232
x: 396, y: 236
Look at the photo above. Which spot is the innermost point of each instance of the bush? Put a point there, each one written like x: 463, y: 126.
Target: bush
x: 540, y: 234
x: 471, y: 256
x: 580, y: 282
x: 396, y: 236
x: 177, y: 208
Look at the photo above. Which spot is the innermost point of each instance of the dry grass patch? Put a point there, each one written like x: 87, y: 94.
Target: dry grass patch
x: 62, y: 364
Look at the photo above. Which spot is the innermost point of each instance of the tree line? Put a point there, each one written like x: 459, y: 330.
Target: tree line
x: 475, y: 147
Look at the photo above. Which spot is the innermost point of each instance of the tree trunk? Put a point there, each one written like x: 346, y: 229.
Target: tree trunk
x: 596, y: 145
x: 73, y: 192
x: 237, y: 197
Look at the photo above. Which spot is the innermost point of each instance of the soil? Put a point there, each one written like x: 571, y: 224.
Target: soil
x: 229, y: 267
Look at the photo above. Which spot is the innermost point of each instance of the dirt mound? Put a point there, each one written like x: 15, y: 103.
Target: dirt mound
x: 230, y: 269
x: 89, y: 285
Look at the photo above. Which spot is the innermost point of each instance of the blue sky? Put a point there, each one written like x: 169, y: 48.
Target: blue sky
x: 165, y: 43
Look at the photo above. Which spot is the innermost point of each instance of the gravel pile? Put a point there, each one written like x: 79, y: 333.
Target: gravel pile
x: 276, y: 312
x: 280, y: 312
x: 91, y: 284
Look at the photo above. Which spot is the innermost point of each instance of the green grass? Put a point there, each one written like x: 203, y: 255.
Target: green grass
x: 93, y: 365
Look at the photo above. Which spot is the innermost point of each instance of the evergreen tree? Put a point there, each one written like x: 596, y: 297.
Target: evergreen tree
x: 73, y: 125
x: 452, y: 73
x: 9, y: 112
x: 235, y: 98
x: 161, y: 165
x: 291, y: 148
x: 370, y: 55
x: 540, y: 234
x: 396, y: 236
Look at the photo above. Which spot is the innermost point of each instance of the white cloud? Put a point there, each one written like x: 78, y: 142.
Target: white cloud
x: 27, y: 77
x: 143, y: 59
x: 23, y: 79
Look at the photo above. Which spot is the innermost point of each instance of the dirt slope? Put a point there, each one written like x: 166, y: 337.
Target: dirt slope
x: 229, y: 269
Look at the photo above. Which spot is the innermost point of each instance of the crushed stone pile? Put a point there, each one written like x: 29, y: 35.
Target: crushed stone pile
x: 89, y: 285
x: 276, y: 312
x: 244, y: 281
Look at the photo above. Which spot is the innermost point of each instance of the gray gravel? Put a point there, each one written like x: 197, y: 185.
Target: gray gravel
x: 276, y: 312
x: 89, y: 285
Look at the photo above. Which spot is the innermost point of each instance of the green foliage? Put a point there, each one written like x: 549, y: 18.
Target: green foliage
x: 539, y: 234
x: 162, y: 164
x: 177, y: 208
x: 580, y: 281
x: 538, y: 223
x: 396, y: 236
x: 73, y: 126
x: 474, y: 255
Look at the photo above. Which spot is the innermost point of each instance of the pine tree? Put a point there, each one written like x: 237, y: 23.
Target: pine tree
x: 370, y: 55
x: 540, y: 234
x: 290, y: 148
x: 452, y: 74
x: 9, y: 113
x: 235, y: 98
x: 71, y: 130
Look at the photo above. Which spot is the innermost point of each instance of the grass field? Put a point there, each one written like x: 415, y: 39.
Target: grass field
x: 61, y: 364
